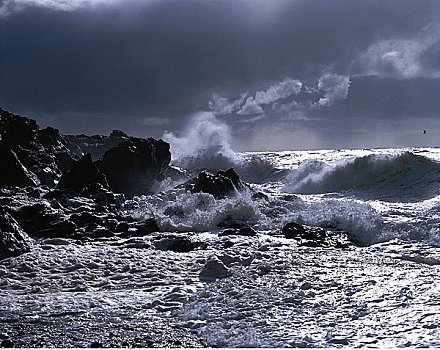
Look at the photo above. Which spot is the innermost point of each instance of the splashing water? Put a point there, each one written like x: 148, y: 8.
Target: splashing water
x: 204, y: 144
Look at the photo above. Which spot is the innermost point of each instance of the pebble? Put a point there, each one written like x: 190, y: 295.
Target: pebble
x: 306, y: 286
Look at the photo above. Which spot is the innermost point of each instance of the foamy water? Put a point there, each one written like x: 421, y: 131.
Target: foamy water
x: 271, y: 291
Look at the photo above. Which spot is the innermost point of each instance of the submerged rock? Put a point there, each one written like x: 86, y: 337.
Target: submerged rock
x: 219, y: 185
x: 13, y: 240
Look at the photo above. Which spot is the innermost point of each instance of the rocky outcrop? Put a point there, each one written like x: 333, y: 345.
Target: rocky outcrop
x: 82, y: 174
x: 43, y: 152
x: 13, y: 240
x: 310, y: 236
x: 134, y: 165
x: 219, y: 185
x: 96, y: 145
x: 12, y: 172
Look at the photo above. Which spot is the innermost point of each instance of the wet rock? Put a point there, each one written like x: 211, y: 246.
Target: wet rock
x: 101, y: 232
x: 176, y: 244
x: 243, y: 231
x: 12, y: 172
x: 133, y: 166
x: 42, y: 152
x: 260, y: 195
x: 140, y: 229
x: 58, y: 228
x: 7, y: 343
x: 13, y: 240
x: 306, y: 286
x: 219, y: 185
x: 213, y: 269
x: 82, y: 174
x: 307, y: 235
x: 84, y: 218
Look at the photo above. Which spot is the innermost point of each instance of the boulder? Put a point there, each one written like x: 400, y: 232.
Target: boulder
x: 293, y: 230
x: 12, y: 172
x: 134, y: 165
x: 176, y: 244
x: 219, y: 185
x: 214, y: 268
x: 43, y: 152
x: 82, y: 174
x: 13, y: 240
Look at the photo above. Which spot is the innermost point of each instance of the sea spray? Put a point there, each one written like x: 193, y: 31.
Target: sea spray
x: 204, y: 144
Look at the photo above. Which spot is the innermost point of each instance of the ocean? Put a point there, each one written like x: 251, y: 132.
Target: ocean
x: 269, y: 291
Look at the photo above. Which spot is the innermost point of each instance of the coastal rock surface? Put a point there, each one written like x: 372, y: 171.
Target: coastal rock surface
x: 219, y: 185
x: 43, y: 152
x: 13, y: 240
x: 134, y: 165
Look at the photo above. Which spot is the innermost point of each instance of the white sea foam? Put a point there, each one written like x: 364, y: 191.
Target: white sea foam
x: 406, y: 177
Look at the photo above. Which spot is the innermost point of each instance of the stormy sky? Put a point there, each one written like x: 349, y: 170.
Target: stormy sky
x: 282, y: 74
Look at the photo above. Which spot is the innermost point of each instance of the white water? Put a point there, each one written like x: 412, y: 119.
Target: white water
x: 270, y: 292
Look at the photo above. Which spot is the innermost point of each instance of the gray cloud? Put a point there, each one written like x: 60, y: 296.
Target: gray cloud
x: 146, y: 66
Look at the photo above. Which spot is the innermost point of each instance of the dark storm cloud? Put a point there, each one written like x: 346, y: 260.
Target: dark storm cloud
x: 142, y: 66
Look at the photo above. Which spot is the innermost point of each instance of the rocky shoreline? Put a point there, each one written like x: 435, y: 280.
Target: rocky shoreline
x: 59, y: 190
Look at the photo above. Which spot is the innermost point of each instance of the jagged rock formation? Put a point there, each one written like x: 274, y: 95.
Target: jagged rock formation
x: 13, y: 240
x: 219, y: 185
x: 134, y: 165
x: 42, y: 152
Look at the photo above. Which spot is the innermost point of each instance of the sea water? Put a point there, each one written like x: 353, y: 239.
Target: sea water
x: 275, y: 293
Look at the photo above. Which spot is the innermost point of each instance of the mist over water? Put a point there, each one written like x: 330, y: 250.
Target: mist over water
x: 205, y: 143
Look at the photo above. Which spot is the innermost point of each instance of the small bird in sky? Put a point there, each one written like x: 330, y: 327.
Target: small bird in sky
x: 424, y: 131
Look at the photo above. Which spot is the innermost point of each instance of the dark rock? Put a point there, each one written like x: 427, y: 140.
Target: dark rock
x: 122, y: 227
x: 140, y: 229
x: 7, y: 343
x: 243, y: 231
x: 107, y: 198
x: 219, y: 185
x: 4, y: 336
x: 176, y: 244
x: 84, y: 218
x: 96, y: 145
x: 134, y: 165
x: 293, y: 230
x: 82, y: 174
x: 260, y: 195
x: 13, y: 240
x: 174, y: 211
x: 96, y: 344
x: 43, y: 152
x: 59, y: 228
x: 101, y: 232
x: 12, y: 172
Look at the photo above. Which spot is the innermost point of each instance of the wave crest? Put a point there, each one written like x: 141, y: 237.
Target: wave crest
x: 405, y: 177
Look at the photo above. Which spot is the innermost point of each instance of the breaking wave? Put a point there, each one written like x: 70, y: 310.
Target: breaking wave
x: 205, y: 143
x: 405, y: 177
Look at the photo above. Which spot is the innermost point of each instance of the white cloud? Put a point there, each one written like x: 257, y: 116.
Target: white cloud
x: 335, y: 87
x: 10, y: 6
x: 402, y: 58
x: 330, y: 90
x: 251, y: 105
